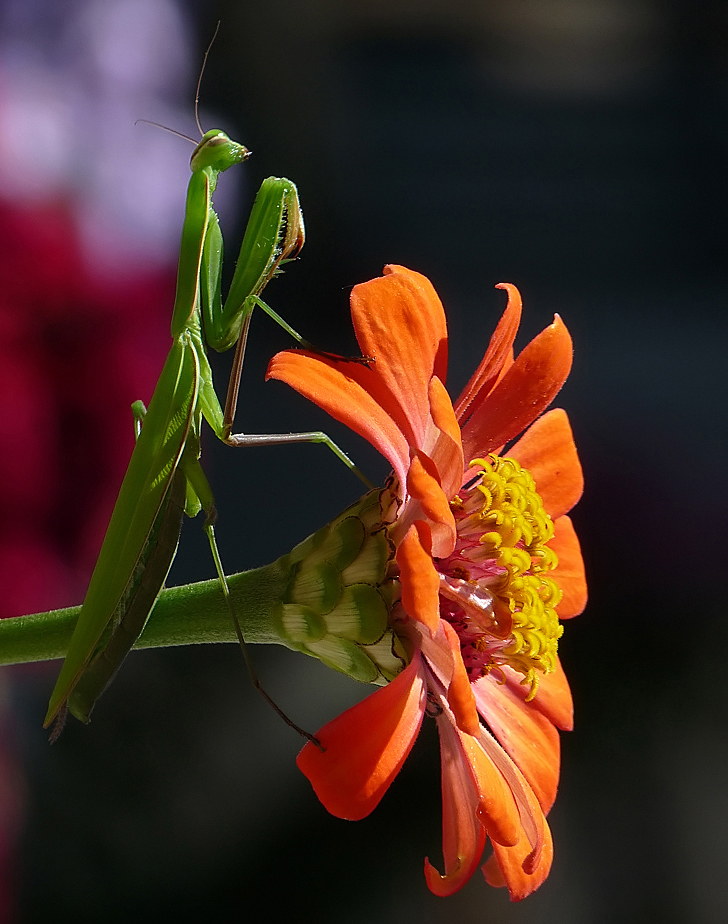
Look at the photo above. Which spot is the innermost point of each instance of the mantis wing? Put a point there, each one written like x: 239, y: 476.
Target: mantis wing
x: 139, y: 599
x: 141, y: 500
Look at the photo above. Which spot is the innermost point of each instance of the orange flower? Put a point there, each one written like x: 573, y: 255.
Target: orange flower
x: 488, y: 565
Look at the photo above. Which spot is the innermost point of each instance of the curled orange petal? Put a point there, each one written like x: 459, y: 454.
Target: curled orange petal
x: 497, y: 808
x: 424, y: 486
x: 447, y: 453
x: 530, y: 812
x: 419, y: 579
x: 463, y: 836
x: 524, y: 392
x: 527, y: 735
x: 459, y: 693
x: 548, y: 451
x: 506, y: 867
x: 497, y: 356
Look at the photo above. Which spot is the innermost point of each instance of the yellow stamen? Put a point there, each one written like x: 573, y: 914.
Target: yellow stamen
x: 514, y: 530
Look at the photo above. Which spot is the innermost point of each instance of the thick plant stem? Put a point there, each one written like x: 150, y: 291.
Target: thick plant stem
x: 193, y: 614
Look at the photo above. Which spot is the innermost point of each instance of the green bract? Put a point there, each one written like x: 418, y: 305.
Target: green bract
x: 340, y: 592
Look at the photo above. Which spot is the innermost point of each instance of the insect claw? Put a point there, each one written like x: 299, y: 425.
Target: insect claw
x: 361, y: 360
x: 59, y: 723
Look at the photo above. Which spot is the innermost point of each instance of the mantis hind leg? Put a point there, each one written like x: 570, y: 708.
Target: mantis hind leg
x: 254, y: 679
x: 201, y: 488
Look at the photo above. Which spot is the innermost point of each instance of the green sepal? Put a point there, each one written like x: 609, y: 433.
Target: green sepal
x: 360, y: 615
x: 344, y: 656
x: 374, y: 558
x: 389, y: 655
x: 301, y: 623
x: 317, y: 586
x: 340, y: 545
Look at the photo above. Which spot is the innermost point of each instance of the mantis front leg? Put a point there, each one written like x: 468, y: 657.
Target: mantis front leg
x: 274, y: 235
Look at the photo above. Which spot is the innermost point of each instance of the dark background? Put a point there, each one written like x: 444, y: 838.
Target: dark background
x: 578, y: 149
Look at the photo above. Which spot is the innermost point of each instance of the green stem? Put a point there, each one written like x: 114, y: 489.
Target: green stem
x: 193, y: 614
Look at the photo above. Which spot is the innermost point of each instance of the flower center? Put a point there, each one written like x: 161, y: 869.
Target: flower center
x: 494, y: 588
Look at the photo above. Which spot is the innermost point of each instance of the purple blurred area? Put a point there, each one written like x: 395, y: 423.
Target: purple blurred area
x: 577, y: 148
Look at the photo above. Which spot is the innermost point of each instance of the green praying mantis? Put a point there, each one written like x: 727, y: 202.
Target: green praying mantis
x: 164, y: 479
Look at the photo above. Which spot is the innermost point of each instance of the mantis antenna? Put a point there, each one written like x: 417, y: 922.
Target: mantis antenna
x: 199, y: 79
x: 197, y: 98
x: 166, y: 128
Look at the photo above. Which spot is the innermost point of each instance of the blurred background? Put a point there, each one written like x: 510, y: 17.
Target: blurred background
x: 577, y: 148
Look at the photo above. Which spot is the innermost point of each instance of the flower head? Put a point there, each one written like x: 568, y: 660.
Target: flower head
x: 488, y: 564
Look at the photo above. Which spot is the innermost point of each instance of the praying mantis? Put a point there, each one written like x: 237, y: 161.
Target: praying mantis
x: 164, y: 479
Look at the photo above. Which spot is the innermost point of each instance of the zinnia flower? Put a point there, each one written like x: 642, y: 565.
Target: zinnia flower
x: 488, y: 565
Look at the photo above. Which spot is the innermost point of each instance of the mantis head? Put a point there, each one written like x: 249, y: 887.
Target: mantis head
x: 217, y: 151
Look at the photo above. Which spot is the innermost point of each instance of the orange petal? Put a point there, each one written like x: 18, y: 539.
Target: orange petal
x: 447, y: 453
x: 366, y: 746
x: 531, y: 815
x: 569, y: 573
x: 553, y: 696
x: 347, y: 391
x: 437, y: 323
x: 423, y: 485
x: 399, y: 322
x: 463, y: 836
x: 500, y: 350
x: 524, y: 392
x: 547, y: 450
x: 460, y: 694
x: 497, y: 808
x: 527, y: 735
x: 505, y: 867
x: 419, y: 579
